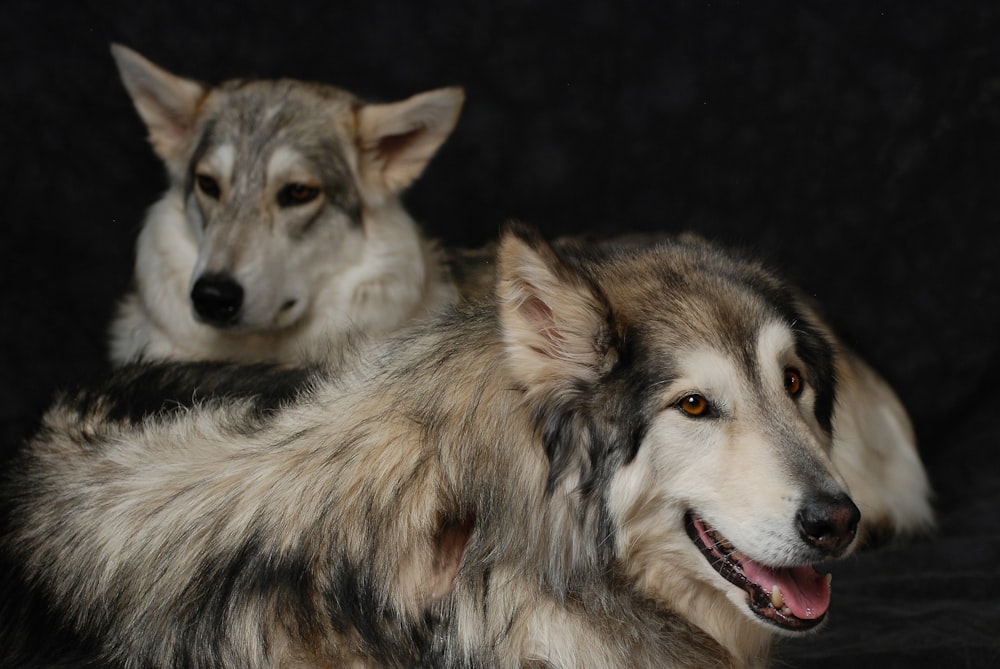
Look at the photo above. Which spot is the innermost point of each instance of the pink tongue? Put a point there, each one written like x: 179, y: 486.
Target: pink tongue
x: 804, y: 590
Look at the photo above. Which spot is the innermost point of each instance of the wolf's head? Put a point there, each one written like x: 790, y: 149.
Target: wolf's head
x: 685, y: 395
x: 284, y: 183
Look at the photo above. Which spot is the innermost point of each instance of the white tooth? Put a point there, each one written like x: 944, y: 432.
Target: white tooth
x: 776, y: 599
x: 829, y: 580
x: 787, y: 611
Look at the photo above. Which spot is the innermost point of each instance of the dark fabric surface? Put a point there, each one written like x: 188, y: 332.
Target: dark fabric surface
x: 854, y: 145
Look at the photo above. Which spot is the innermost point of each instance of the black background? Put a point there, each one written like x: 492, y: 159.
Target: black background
x: 853, y: 144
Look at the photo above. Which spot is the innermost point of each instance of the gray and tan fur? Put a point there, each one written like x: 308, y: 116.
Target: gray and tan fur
x: 352, y: 260
x: 282, y: 230
x: 875, y: 447
x: 520, y: 482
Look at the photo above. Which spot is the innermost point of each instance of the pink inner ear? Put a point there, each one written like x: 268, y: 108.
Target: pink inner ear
x: 539, y: 316
x: 449, y: 549
x: 536, y: 312
x: 390, y: 146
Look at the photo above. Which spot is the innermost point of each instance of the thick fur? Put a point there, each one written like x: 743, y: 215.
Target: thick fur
x: 286, y: 193
x: 505, y: 486
x: 875, y: 448
x: 354, y: 261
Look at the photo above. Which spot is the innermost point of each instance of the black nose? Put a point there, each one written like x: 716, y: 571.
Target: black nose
x: 829, y: 522
x: 217, y: 299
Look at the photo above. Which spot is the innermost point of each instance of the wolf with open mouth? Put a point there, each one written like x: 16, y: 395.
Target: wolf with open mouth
x: 619, y: 460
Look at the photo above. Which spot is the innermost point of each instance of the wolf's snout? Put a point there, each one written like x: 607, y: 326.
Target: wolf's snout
x: 829, y: 522
x: 217, y: 299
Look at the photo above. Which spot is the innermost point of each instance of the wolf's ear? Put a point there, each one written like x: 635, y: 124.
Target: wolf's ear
x: 397, y: 140
x: 167, y: 104
x: 556, y: 323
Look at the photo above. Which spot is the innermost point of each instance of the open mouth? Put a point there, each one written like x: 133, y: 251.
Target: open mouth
x: 793, y: 598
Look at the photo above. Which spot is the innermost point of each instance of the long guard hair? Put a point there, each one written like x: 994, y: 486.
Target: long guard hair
x: 532, y: 480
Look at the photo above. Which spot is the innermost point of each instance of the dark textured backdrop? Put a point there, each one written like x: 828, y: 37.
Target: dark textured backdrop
x: 854, y: 144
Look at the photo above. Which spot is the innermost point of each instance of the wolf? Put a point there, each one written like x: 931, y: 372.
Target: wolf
x: 875, y: 446
x: 620, y: 458
x: 282, y: 235
x: 282, y: 228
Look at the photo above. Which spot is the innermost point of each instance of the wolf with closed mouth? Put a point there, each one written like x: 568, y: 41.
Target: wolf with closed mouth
x: 619, y: 459
x: 281, y: 230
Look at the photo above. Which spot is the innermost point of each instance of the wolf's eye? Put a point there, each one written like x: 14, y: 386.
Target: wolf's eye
x: 695, y: 406
x: 793, y: 381
x: 208, y: 186
x: 295, y: 194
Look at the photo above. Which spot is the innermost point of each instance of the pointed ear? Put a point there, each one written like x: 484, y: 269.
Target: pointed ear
x: 167, y: 104
x: 397, y: 140
x: 556, y: 323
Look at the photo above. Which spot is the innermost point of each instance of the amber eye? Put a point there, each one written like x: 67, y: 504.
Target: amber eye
x: 208, y: 186
x: 695, y: 406
x: 793, y: 381
x: 295, y: 194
